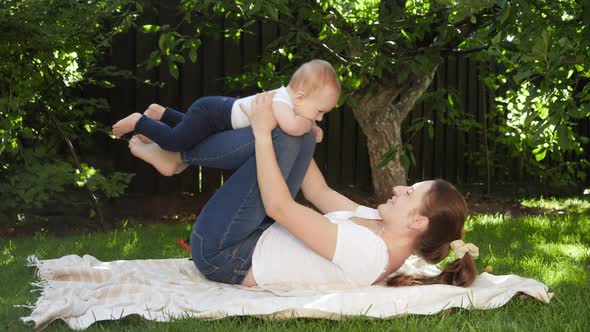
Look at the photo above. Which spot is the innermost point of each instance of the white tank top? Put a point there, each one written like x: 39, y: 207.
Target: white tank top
x: 239, y: 118
x: 281, y: 261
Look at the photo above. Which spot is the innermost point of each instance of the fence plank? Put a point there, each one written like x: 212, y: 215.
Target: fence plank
x: 450, y: 130
x: 416, y: 173
x: 428, y: 141
x: 362, y: 167
x: 471, y: 139
x: 439, y: 130
x: 233, y: 64
x: 462, y: 83
x: 334, y: 139
x: 191, y: 88
x: 168, y: 94
x: 347, y: 142
x: 212, y: 54
x: 122, y: 101
x: 146, y: 175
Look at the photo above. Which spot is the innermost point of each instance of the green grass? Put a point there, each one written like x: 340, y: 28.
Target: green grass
x: 553, y: 248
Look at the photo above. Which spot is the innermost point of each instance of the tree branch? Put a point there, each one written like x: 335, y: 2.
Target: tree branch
x: 412, y: 93
x: 470, y: 50
x: 309, y: 38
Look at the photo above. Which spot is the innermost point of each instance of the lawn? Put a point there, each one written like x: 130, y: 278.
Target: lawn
x: 553, y: 247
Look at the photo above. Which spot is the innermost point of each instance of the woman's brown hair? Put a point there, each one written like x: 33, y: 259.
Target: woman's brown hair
x: 446, y: 211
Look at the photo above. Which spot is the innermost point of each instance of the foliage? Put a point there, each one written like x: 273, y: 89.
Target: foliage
x: 49, y: 53
x: 543, y: 50
x: 539, y: 46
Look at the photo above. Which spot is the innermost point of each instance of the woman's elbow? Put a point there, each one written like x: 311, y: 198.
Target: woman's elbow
x: 276, y: 210
x: 273, y: 211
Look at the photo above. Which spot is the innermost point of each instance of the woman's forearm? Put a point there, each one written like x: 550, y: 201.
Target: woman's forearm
x: 273, y: 188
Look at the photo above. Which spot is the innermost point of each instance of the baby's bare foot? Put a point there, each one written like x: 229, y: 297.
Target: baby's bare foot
x: 144, y: 139
x: 166, y: 162
x: 125, y: 125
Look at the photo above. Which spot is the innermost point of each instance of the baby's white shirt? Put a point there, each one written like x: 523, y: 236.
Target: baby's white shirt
x: 240, y: 120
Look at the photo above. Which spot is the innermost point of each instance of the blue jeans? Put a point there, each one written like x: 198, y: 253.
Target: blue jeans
x: 180, y: 132
x: 229, y: 225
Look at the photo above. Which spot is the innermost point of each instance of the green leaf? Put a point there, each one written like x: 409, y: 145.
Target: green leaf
x: 387, y: 157
x: 541, y: 45
x: 173, y: 68
x: 430, y: 131
x: 149, y: 28
x: 540, y: 153
x: 563, y: 137
x: 192, y: 54
x: 404, y: 161
x: 164, y: 43
x: 450, y: 100
x: 523, y: 75
x: 177, y: 58
x: 504, y: 14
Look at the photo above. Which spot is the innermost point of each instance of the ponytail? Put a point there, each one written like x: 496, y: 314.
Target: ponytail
x: 461, y: 272
x: 446, y: 211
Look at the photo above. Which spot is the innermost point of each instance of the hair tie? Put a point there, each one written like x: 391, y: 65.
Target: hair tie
x: 461, y: 248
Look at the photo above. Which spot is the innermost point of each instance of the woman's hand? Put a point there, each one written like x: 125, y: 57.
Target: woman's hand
x: 262, y: 119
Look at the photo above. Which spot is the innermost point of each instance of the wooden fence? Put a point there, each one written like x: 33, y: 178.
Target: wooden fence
x: 343, y: 153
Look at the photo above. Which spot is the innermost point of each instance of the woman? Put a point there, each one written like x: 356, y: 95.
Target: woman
x: 252, y: 232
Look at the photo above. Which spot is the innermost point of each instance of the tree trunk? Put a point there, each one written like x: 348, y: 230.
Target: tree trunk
x: 380, y: 116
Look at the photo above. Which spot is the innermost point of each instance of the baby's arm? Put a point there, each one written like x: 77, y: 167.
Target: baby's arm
x: 290, y: 122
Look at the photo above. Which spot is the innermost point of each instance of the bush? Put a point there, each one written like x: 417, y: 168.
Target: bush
x: 49, y: 52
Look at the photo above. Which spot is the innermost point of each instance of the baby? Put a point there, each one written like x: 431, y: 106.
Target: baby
x: 314, y: 89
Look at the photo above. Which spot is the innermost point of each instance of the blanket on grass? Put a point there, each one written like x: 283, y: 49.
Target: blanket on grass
x: 84, y: 290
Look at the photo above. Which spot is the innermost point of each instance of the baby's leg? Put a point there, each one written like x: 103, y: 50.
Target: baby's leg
x: 204, y: 118
x: 154, y: 111
x: 166, y: 162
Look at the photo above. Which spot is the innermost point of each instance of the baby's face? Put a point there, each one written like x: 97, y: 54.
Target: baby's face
x: 315, y: 105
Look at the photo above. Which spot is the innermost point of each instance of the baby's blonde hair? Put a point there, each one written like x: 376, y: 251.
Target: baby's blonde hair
x: 313, y: 75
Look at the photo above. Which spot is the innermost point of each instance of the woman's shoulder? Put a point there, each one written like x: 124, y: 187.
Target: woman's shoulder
x: 360, y: 212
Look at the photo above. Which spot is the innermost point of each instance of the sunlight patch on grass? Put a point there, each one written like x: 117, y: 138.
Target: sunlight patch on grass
x: 577, y: 252
x: 483, y: 219
x: 553, y: 272
x: 112, y: 242
x: 574, y: 204
x: 7, y: 256
x: 130, y: 246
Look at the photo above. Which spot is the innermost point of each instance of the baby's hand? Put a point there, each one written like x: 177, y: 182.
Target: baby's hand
x: 318, y: 133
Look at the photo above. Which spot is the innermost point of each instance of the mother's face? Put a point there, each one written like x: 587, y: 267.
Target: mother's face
x: 405, y: 202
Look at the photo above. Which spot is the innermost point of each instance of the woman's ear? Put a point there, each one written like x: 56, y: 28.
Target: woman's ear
x: 419, y: 223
